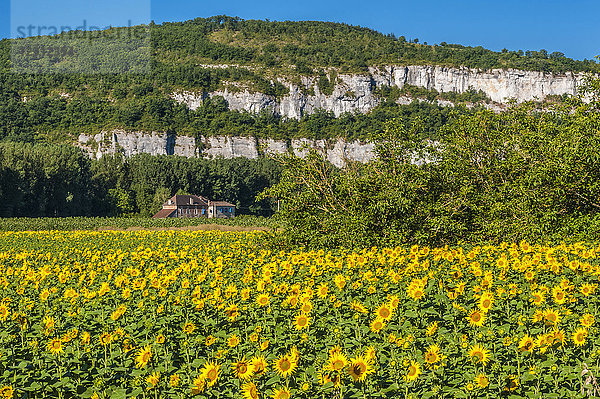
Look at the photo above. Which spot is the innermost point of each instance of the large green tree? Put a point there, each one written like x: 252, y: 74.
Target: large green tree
x: 522, y: 174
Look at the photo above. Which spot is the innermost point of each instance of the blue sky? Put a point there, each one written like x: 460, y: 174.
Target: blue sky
x: 570, y: 27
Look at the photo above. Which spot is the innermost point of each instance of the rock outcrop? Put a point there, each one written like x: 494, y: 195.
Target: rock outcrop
x: 338, y: 152
x: 357, y: 93
x: 351, y: 93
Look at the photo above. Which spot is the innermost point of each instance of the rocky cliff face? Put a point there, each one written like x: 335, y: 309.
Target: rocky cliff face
x: 338, y: 152
x: 357, y: 92
x: 351, y: 93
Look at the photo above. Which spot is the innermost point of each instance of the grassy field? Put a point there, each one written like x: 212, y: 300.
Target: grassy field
x: 240, y: 223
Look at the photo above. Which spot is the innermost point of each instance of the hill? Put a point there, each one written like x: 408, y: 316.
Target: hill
x: 311, y: 63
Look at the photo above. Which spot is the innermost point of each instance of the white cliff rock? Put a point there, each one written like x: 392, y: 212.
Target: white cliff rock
x: 351, y: 93
x: 338, y: 152
x: 356, y: 93
x: 230, y: 147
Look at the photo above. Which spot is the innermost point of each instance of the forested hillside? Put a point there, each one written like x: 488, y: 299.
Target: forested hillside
x: 57, y: 107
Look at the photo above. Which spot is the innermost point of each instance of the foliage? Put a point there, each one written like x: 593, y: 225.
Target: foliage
x: 51, y: 180
x: 107, y: 223
x: 52, y: 107
x: 312, y: 45
x: 522, y: 174
x: 123, y: 314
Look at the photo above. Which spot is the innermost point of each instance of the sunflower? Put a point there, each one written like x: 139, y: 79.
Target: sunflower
x: 537, y: 297
x: 301, y: 322
x: 333, y: 378
x: 476, y: 318
x: 479, y: 354
x: 7, y: 392
x: 174, y: 380
x: 152, y: 380
x: 264, y: 345
x: 4, y: 312
x: 55, y: 346
x: 284, y: 365
x: 243, y: 369
x: 259, y: 364
x: 189, y: 328
x: 210, y: 373
x: 481, y: 381
x: 587, y: 320
x: 551, y: 316
x: 359, y: 307
x: 282, y: 393
x: 143, y: 357
x: 579, y: 336
x: 433, y: 355
x: 209, y: 340
x: 334, y: 349
x: 85, y: 338
x: 587, y: 289
x: 413, y: 372
x: 559, y: 336
x: 249, y: 391
x: 377, y: 325
x: 529, y: 275
x: 263, y: 300
x: 416, y: 292
x: 359, y: 368
x: 431, y: 328
x: 336, y: 362
x: 323, y: 290
x: 384, y: 312
x: 511, y: 383
x: 306, y: 307
x: 526, y: 344
x: 486, y: 301
x: 199, y: 385
x: 232, y: 311
x: 160, y: 339
x: 558, y: 295
x: 105, y: 338
x: 233, y: 341
x: 394, y: 301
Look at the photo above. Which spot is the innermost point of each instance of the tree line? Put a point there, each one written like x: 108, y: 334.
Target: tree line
x: 524, y: 174
x: 58, y: 180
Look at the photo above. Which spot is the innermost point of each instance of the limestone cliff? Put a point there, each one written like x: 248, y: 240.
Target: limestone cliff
x: 337, y: 152
x: 357, y: 92
x: 351, y: 93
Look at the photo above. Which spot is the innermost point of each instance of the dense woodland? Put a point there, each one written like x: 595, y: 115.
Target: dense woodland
x: 58, y: 180
x: 524, y: 174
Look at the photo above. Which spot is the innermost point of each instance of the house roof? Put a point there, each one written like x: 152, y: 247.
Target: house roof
x: 221, y: 203
x: 181, y: 200
x: 163, y: 213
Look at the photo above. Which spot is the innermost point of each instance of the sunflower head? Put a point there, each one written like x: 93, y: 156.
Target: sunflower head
x: 479, y: 354
x: 249, y: 391
x: 284, y: 365
x: 301, y: 322
x: 476, y: 318
x: 336, y: 362
x: 359, y: 368
x: 413, y: 372
x: 243, y: 369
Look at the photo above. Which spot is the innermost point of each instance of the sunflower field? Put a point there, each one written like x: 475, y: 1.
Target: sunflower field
x: 195, y: 314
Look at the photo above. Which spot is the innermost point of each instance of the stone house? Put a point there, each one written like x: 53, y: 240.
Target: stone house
x: 194, y: 206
